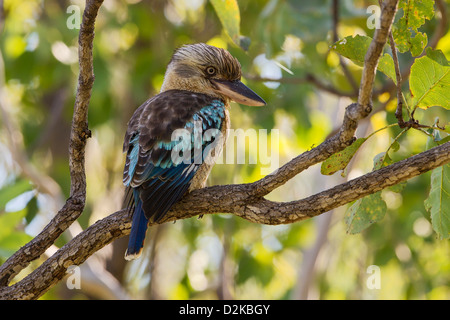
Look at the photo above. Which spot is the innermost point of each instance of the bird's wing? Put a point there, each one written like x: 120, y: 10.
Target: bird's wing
x: 158, y: 168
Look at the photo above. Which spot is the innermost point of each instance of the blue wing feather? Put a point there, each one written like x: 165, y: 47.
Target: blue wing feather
x: 157, y: 182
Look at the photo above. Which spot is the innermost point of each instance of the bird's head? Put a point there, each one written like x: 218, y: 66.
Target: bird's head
x: 209, y: 70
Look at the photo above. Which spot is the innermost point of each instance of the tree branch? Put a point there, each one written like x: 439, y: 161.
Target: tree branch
x: 74, y: 252
x: 259, y: 210
x: 439, y: 32
x: 74, y: 206
x: 244, y: 200
x: 309, y: 78
x: 219, y: 199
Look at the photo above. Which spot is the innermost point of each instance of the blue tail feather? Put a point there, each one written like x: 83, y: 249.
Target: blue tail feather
x: 137, y: 234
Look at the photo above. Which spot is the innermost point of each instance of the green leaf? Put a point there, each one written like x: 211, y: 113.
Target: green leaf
x: 395, y: 146
x: 438, y: 201
x: 230, y: 18
x: 364, y: 212
x: 355, y: 48
x: 418, y: 42
x: 415, y: 12
x: 430, y: 80
x: 340, y: 160
x: 9, y: 192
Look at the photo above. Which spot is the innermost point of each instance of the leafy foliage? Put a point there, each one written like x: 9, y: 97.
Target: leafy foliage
x: 355, y: 49
x: 228, y: 13
x: 429, y: 86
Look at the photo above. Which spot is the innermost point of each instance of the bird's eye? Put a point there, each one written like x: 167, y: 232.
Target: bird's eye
x: 211, y: 71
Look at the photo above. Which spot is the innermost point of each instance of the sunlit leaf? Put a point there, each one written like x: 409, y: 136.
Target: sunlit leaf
x: 230, y: 18
x: 340, y: 160
x: 415, y: 12
x: 430, y: 80
x: 355, y: 48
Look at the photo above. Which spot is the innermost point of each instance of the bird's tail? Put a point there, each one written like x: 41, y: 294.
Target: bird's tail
x: 138, y: 230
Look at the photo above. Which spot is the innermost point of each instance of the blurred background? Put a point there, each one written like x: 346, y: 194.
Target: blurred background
x: 219, y: 256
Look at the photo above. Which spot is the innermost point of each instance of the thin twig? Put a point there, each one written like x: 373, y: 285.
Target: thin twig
x: 309, y: 78
x: 74, y: 206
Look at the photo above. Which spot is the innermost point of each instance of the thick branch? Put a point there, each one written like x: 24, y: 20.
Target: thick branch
x: 373, y: 54
x: 259, y: 210
x: 217, y: 199
x: 73, y: 253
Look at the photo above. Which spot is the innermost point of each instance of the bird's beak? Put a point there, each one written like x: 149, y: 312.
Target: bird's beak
x: 238, y: 92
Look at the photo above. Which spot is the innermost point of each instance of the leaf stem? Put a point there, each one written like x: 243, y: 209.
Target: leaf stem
x: 376, y: 131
